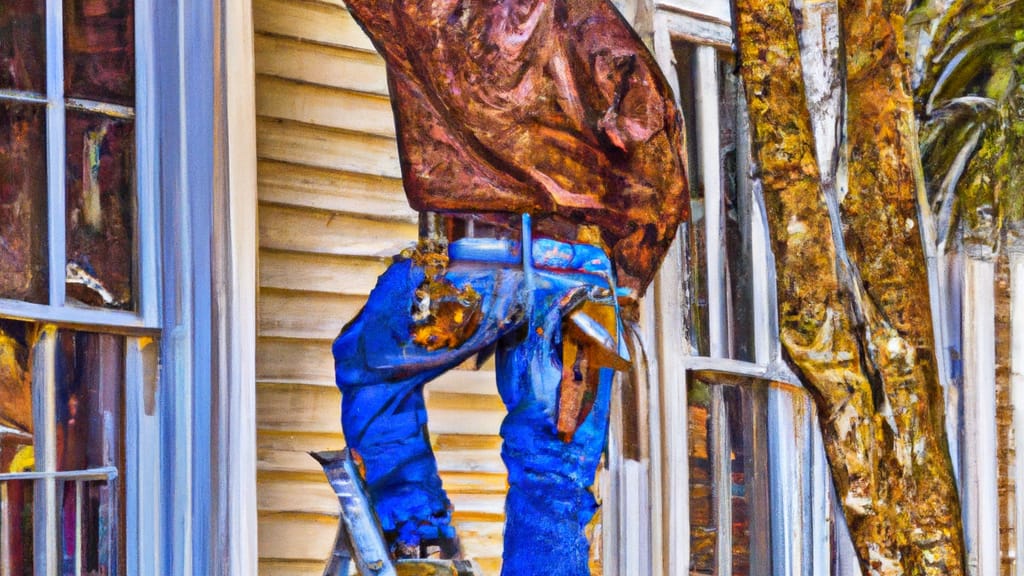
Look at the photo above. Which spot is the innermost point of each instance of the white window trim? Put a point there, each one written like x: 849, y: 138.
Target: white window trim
x: 209, y: 512
x: 235, y: 272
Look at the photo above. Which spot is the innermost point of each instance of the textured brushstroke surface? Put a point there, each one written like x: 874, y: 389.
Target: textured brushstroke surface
x: 550, y: 107
x: 970, y: 100
x: 852, y: 286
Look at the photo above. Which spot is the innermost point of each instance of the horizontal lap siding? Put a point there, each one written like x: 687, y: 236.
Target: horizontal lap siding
x: 332, y: 212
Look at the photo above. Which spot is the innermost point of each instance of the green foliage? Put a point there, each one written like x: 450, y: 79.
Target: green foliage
x: 969, y: 65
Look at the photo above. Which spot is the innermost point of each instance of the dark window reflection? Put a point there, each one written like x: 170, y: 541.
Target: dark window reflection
x: 100, y: 209
x: 23, y: 45
x: 90, y: 384
x: 23, y: 237
x: 99, y: 50
x: 737, y: 411
x: 703, y: 532
x: 18, y: 494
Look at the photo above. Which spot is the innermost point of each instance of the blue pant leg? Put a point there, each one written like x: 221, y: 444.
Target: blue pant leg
x: 381, y: 375
x: 549, y: 502
x: 384, y: 419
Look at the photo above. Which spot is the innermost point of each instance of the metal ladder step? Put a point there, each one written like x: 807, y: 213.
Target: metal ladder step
x: 359, y: 540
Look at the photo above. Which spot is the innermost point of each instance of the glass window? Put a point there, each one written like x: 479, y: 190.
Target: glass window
x: 23, y: 49
x: 69, y: 287
x: 757, y: 495
x: 23, y: 240
x: 60, y: 460
x: 90, y: 123
x: 100, y: 209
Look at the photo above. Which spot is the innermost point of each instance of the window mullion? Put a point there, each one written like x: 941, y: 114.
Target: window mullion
x: 670, y: 470
x: 44, y: 416
x: 979, y: 470
x: 709, y: 146
x: 55, y: 147
x: 147, y: 236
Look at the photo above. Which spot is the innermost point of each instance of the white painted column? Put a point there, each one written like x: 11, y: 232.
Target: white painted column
x: 709, y: 156
x: 671, y: 347
x: 611, y: 490
x: 980, y: 467
x: 234, y: 270
x: 820, y: 513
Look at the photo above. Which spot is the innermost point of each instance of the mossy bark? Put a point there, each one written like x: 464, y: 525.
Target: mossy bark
x: 853, y: 287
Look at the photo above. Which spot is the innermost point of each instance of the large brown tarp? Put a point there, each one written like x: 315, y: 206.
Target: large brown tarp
x: 550, y: 107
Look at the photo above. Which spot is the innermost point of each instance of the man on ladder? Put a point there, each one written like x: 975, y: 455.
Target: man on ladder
x: 548, y: 123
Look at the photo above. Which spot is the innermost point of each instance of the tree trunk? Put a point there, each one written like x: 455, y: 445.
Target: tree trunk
x: 853, y: 287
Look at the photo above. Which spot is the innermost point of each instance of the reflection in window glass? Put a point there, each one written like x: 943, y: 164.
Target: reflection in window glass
x: 685, y: 56
x: 99, y: 50
x: 23, y: 45
x: 736, y: 413
x: 738, y: 209
x: 90, y: 378
x: 100, y: 210
x: 23, y: 240
x: 15, y: 389
x: 702, y: 503
x: 16, y: 453
x: 90, y: 381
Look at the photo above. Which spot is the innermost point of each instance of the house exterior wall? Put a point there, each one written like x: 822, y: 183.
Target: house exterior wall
x: 331, y: 213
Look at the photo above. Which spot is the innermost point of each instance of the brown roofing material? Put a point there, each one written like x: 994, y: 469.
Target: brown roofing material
x: 550, y: 107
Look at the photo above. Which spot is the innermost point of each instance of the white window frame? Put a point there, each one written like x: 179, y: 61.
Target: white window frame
x: 145, y: 289
x: 139, y: 327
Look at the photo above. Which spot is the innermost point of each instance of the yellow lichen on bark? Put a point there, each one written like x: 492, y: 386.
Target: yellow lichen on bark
x: 884, y: 244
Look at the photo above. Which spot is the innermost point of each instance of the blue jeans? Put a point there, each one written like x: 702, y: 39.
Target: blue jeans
x: 381, y: 374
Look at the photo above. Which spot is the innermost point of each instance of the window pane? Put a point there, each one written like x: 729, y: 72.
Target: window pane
x: 15, y: 448
x: 686, y: 63
x: 15, y: 390
x: 90, y: 378
x: 23, y: 45
x: 703, y: 533
x: 16, y: 525
x: 90, y: 381
x: 738, y: 209
x: 100, y: 209
x: 99, y: 50
x: 23, y: 240
x: 727, y: 417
